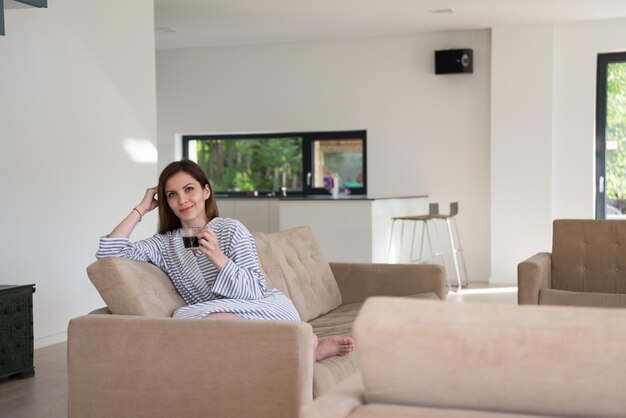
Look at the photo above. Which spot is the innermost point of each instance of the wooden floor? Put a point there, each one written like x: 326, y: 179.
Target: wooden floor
x: 45, y: 394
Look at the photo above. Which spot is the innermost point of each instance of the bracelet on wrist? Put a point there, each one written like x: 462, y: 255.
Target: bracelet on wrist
x: 139, y: 212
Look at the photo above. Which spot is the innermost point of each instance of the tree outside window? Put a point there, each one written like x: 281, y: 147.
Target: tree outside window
x: 616, y: 136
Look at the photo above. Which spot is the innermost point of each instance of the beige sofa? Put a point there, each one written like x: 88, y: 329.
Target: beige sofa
x: 587, y: 266
x: 420, y: 359
x: 139, y: 362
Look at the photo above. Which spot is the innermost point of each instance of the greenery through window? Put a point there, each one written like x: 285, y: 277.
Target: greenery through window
x: 245, y: 165
x: 281, y: 163
x: 616, y: 136
x: 611, y: 136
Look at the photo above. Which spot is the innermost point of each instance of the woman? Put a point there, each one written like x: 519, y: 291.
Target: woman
x: 223, y: 278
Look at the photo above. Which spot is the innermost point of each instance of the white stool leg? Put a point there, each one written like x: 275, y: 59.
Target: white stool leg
x: 401, y: 241
x: 459, y: 251
x: 440, y: 253
x: 393, y: 224
x: 411, y: 259
x: 424, y: 231
x: 421, y: 258
x: 454, y: 257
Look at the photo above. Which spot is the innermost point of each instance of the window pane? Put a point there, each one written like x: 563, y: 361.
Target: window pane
x: 240, y: 165
x: 291, y: 162
x: 616, y: 141
x: 343, y: 157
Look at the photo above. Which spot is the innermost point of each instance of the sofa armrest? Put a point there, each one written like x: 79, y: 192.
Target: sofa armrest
x: 132, y: 366
x: 339, y: 402
x: 533, y: 275
x: 358, y: 281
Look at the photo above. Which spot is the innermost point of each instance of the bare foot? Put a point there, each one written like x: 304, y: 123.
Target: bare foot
x: 334, y: 346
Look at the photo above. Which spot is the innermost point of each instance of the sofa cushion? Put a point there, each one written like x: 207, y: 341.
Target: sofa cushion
x: 347, y: 400
x: 134, y: 288
x: 339, y: 321
x: 404, y: 411
x: 293, y: 263
x: 542, y: 360
x: 330, y: 371
x: 565, y: 298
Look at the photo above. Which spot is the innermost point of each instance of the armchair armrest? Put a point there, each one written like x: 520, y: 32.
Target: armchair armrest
x: 533, y: 275
x: 133, y: 366
x: 358, y: 281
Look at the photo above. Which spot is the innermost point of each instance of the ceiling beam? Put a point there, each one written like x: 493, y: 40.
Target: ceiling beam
x: 34, y: 3
x: 1, y: 18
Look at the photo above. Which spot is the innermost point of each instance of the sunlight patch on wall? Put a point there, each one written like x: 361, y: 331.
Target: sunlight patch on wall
x: 140, y: 150
x: 193, y: 144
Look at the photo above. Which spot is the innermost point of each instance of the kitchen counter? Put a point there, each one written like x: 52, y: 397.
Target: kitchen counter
x: 353, y: 228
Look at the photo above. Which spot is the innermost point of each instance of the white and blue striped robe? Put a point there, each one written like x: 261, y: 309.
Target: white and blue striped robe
x: 239, y: 288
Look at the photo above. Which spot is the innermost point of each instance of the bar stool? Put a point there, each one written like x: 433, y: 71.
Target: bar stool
x: 455, y: 245
x: 433, y: 213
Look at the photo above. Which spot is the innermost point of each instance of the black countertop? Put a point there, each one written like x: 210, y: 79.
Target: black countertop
x: 341, y: 197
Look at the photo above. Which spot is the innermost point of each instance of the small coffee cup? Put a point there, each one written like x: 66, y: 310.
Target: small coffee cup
x: 190, y: 237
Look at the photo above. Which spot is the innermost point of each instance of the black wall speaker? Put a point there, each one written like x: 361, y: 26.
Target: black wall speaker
x: 454, y: 61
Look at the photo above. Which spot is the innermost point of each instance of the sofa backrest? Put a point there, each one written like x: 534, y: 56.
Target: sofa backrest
x: 535, y: 360
x: 294, y: 263
x: 589, y: 255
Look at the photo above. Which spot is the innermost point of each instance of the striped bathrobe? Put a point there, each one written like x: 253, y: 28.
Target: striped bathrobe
x: 239, y: 288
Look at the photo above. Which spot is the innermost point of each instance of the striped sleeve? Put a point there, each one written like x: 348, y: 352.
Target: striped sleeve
x: 241, y: 277
x: 150, y: 250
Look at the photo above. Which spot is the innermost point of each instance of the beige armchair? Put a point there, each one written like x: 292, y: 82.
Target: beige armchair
x: 133, y: 360
x: 587, y: 266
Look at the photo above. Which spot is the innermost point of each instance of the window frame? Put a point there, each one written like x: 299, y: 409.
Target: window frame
x: 308, y: 140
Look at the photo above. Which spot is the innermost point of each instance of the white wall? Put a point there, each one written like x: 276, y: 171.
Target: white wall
x: 521, y: 145
x: 76, y: 80
x: 426, y: 133
x: 543, y: 132
x: 577, y: 46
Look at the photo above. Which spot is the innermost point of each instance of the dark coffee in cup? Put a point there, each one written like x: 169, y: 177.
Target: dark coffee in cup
x: 191, y: 242
x: 190, y: 237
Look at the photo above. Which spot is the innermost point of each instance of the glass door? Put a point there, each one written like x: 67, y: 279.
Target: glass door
x: 611, y: 137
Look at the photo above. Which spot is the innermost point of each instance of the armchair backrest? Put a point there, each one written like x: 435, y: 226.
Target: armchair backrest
x: 293, y: 262
x: 589, y: 255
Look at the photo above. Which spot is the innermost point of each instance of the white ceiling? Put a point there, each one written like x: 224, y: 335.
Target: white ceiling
x: 200, y: 23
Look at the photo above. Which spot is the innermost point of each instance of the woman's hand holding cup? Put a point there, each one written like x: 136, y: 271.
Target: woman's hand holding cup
x: 210, y: 247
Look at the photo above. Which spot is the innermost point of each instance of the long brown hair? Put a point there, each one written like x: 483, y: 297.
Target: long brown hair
x: 168, y: 221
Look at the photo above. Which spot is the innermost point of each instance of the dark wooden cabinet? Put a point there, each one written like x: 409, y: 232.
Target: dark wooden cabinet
x: 16, y: 331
